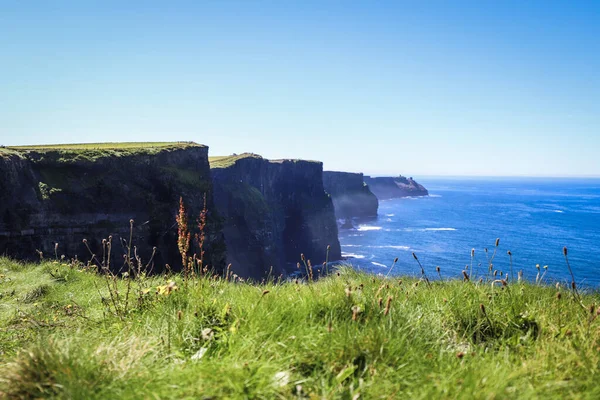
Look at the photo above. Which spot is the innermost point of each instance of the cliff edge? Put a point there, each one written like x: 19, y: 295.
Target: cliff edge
x: 273, y: 211
x: 394, y: 187
x: 351, y: 196
x: 66, y: 193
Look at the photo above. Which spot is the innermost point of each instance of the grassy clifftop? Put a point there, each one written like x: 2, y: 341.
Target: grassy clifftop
x: 93, y: 151
x: 344, y: 336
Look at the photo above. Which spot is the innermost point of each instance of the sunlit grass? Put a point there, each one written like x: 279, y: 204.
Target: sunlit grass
x: 344, y: 335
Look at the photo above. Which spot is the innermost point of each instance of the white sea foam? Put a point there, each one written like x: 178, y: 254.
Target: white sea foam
x: 368, y: 228
x: 435, y: 195
x: 378, y: 264
x: 390, y: 215
x: 352, y: 255
x: 559, y: 211
x: 391, y: 247
x: 439, y: 229
x: 352, y: 245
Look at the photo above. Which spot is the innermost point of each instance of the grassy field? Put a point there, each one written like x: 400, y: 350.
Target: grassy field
x: 348, y: 336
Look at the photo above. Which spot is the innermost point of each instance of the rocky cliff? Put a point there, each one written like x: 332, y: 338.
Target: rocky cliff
x: 273, y: 211
x: 394, y: 187
x: 351, y: 196
x: 64, y: 194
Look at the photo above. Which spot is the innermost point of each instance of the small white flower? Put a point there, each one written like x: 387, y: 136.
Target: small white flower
x: 199, y: 354
x: 281, y: 378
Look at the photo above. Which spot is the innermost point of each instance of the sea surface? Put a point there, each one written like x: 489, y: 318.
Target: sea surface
x: 534, y: 218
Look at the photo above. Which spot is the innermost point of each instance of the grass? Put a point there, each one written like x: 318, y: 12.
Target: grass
x: 89, y: 152
x: 104, y: 146
x: 343, y: 336
x: 228, y: 161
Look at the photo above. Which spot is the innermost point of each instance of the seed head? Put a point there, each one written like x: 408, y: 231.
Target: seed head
x: 437, y: 269
x: 482, y: 308
x: 131, y: 221
x: 179, y: 315
x: 328, y: 247
x: 414, y: 256
x: 387, y: 305
x: 265, y: 292
x: 460, y: 355
x: 84, y: 240
x: 465, y: 276
x: 472, y: 252
x: 302, y: 257
x: 497, y: 242
x: 558, y: 296
x: 509, y: 253
x: 396, y: 259
x: 565, y: 251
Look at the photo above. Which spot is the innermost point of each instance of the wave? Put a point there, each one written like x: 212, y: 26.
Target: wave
x: 558, y: 211
x: 435, y: 195
x: 379, y: 264
x: 352, y: 255
x: 390, y: 247
x: 352, y: 245
x: 368, y: 228
x: 420, y: 230
x: 390, y: 215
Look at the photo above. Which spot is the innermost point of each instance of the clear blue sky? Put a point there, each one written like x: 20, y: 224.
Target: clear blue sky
x: 411, y: 87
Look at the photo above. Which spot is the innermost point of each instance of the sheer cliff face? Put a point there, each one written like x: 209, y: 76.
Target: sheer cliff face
x: 273, y: 211
x: 63, y: 197
x: 351, y: 196
x: 394, y: 187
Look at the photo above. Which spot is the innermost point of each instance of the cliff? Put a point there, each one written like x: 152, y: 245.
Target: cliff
x: 273, y: 211
x: 351, y: 196
x: 64, y: 194
x: 393, y: 187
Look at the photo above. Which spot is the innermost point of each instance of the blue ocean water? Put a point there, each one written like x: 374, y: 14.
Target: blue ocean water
x: 533, y: 217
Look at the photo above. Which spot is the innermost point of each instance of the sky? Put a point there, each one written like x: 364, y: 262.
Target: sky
x: 485, y: 88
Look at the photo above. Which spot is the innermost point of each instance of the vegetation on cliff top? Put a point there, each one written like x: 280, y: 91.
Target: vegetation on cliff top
x: 228, y: 161
x: 93, y: 151
x: 344, y: 336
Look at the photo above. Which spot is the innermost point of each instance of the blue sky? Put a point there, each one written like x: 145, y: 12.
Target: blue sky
x: 411, y: 87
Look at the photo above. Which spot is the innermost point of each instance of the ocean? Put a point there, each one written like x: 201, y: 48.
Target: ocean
x: 534, y: 218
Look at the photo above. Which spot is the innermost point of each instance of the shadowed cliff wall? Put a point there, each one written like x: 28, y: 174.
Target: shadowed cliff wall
x: 65, y: 196
x: 351, y: 196
x: 273, y: 211
x: 393, y: 187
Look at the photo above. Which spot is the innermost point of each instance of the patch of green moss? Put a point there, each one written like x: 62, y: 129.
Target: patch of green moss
x: 255, y: 207
x: 46, y: 191
x: 187, y: 177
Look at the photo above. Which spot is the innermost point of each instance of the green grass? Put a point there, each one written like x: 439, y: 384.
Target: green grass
x: 298, y: 340
x: 90, y: 152
x: 228, y: 161
x: 104, y: 146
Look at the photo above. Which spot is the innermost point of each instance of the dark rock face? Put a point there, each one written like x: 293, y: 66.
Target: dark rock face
x: 351, y: 196
x: 394, y: 187
x: 62, y: 197
x: 273, y: 211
